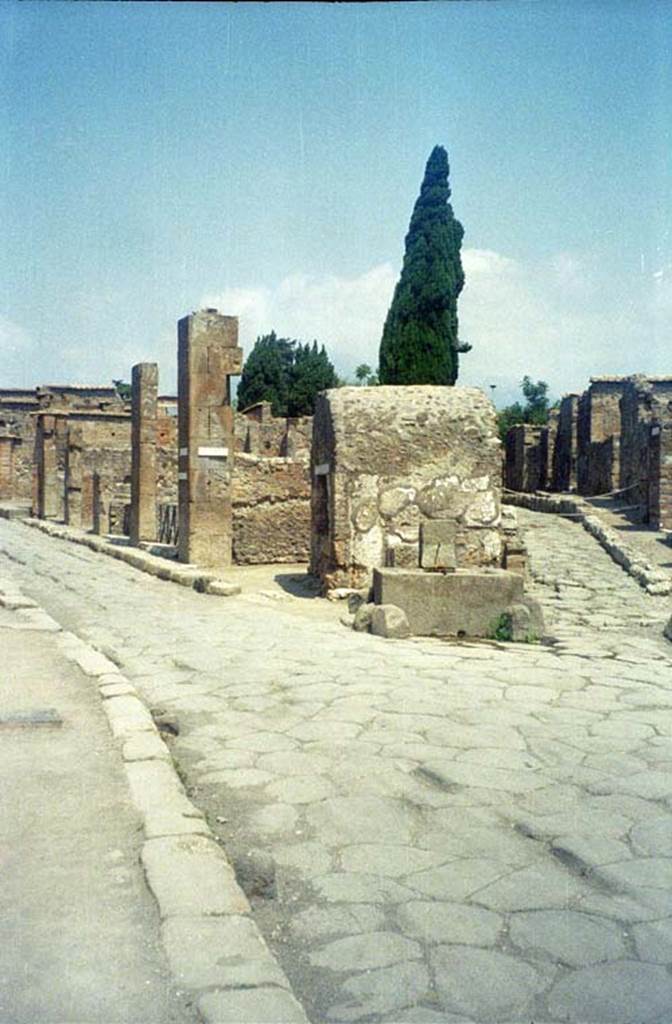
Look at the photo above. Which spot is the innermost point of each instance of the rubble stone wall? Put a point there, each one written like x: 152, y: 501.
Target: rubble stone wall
x: 563, y: 474
x: 599, y: 420
x: 386, y: 459
x: 271, y: 509
x: 258, y: 432
x: 526, y: 458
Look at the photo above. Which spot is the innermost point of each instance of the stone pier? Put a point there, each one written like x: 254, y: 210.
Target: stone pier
x: 145, y: 382
x: 208, y: 355
x: 73, y: 476
x: 50, y: 459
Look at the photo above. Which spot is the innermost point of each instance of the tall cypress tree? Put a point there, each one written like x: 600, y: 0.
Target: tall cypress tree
x: 420, y: 343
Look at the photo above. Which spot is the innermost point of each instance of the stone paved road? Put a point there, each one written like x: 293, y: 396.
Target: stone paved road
x: 461, y: 832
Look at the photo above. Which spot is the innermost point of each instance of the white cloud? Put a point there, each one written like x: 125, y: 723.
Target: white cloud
x: 562, y: 320
x: 345, y: 314
x: 17, y: 355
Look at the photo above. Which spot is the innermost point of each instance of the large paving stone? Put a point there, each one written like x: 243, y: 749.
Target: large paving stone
x: 221, y: 952
x: 381, y: 991
x: 457, y: 880
x: 317, y: 923
x: 189, y: 876
x: 654, y: 940
x: 568, y: 937
x: 361, y: 819
x: 348, y: 887
x: 653, y: 837
x: 389, y: 860
x: 484, y: 984
x: 259, y: 1005
x: 620, y: 992
x: 449, y: 922
x: 536, y: 887
x: 365, y: 952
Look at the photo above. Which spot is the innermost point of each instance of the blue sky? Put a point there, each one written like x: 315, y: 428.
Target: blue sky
x: 265, y: 158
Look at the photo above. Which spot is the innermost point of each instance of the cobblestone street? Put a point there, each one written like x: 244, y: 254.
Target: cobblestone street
x: 460, y: 832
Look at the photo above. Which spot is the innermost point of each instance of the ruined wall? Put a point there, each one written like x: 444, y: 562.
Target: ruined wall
x: 563, y: 469
x: 526, y: 458
x: 386, y: 459
x: 599, y: 421
x: 646, y: 415
x: 258, y: 432
x: 17, y: 443
x: 103, y: 441
x: 271, y: 509
x: 166, y: 450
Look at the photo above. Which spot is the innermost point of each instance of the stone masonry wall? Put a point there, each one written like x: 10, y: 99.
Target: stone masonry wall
x: 18, y: 427
x: 526, y: 458
x: 386, y: 459
x: 258, y: 432
x: 599, y: 420
x: 563, y: 476
x: 271, y: 510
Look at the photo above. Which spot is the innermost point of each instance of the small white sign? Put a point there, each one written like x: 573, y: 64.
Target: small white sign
x: 181, y: 476
x: 213, y: 453
x: 655, y: 431
x: 184, y: 451
x: 322, y: 469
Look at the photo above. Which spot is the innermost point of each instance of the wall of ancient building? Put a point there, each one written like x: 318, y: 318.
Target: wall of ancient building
x: 105, y: 450
x: 271, y: 509
x: 527, y: 457
x: 17, y: 443
x: 598, y: 436
x: 386, y: 459
x: 646, y: 416
x: 258, y: 432
x: 563, y: 459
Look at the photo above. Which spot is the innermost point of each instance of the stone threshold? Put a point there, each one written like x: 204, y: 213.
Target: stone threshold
x: 653, y: 580
x: 186, y: 575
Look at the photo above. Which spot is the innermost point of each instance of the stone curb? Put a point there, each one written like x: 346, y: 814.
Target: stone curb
x: 653, y: 580
x: 186, y: 575
x: 213, y: 945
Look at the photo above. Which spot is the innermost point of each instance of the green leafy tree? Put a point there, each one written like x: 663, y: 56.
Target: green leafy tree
x: 535, y: 410
x: 311, y: 373
x: 285, y: 373
x: 265, y: 376
x: 123, y: 389
x: 420, y: 339
x: 365, y: 376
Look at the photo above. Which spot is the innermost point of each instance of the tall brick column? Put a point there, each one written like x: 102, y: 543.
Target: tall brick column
x: 49, y: 497
x: 208, y: 355
x: 145, y: 383
x: 73, y: 476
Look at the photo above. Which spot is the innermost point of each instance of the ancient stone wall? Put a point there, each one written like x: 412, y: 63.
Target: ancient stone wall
x: 166, y: 450
x: 386, y: 459
x: 258, y: 432
x: 17, y: 441
x: 646, y: 415
x: 563, y: 473
x: 104, y: 441
x: 271, y: 509
x: 526, y: 458
x: 599, y: 420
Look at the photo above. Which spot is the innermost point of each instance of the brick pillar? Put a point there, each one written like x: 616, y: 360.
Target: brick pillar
x: 208, y: 355
x: 96, y: 505
x: 73, y: 477
x: 145, y: 382
x: 48, y: 497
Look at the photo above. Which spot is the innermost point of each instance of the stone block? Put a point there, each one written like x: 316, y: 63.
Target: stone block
x: 463, y: 603
x: 221, y: 588
x: 525, y: 620
x: 265, y: 1005
x: 389, y: 621
x: 190, y: 875
x: 403, y: 556
x: 437, y: 544
x: 362, y: 620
